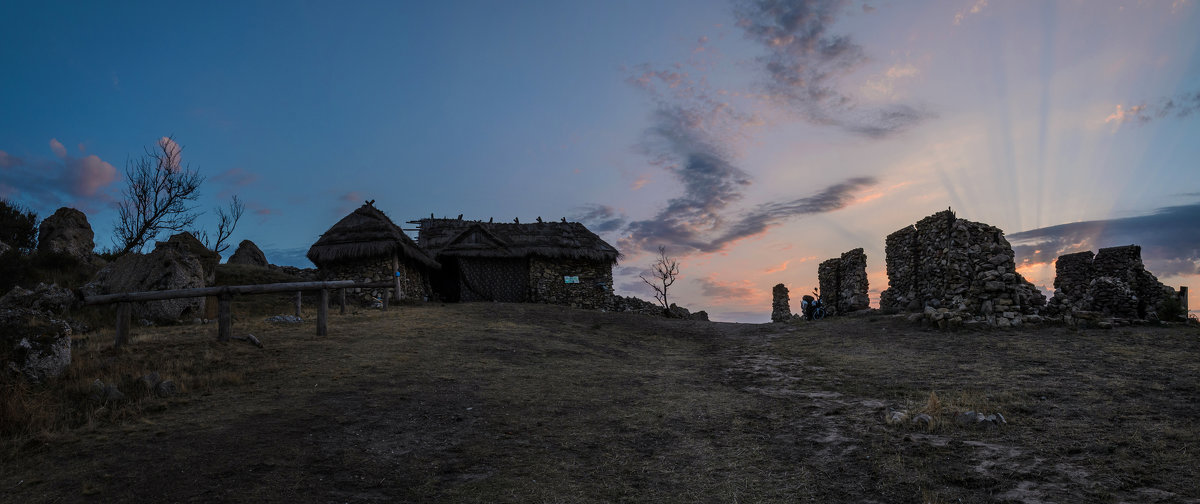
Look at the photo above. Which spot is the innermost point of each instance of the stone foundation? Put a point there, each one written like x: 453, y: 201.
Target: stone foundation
x: 961, y: 266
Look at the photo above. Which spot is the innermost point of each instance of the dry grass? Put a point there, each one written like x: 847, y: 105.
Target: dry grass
x: 520, y: 403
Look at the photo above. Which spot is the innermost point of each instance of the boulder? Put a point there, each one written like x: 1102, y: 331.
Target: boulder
x: 181, y: 262
x: 248, y: 253
x: 50, y: 298
x: 66, y: 232
x: 34, y: 344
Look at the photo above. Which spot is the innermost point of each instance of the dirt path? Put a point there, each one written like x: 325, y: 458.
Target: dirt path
x: 520, y: 403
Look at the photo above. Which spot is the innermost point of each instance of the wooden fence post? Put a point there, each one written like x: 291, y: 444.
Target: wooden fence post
x: 399, y: 291
x: 224, y: 317
x: 323, y: 313
x: 298, y: 296
x: 342, y: 300
x: 124, y: 313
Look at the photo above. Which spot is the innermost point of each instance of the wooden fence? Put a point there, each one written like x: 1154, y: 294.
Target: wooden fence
x: 224, y: 295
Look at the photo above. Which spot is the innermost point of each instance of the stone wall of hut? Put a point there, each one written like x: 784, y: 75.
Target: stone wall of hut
x: 948, y: 264
x: 414, y: 278
x: 1113, y: 283
x: 843, y: 283
x: 547, y: 282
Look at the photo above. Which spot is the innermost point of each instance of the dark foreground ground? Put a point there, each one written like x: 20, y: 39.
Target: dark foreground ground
x: 526, y: 403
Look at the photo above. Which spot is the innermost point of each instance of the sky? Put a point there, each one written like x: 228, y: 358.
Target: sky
x: 753, y: 140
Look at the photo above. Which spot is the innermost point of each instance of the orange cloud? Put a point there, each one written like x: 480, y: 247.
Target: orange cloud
x: 777, y: 269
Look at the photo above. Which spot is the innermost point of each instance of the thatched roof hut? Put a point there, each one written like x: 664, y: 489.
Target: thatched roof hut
x: 366, y: 232
x: 551, y: 240
x: 548, y: 262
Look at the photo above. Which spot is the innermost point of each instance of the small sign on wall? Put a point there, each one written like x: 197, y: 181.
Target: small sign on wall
x: 570, y: 279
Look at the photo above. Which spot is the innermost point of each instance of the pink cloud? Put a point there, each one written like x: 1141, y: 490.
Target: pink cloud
x: 777, y: 269
x: 8, y: 161
x: 232, y: 179
x: 173, y: 153
x: 58, y: 148
x: 739, y: 293
x: 88, y: 175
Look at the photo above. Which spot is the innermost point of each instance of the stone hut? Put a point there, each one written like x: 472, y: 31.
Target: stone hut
x: 1113, y: 282
x: 962, y: 266
x: 367, y: 246
x: 541, y: 262
x: 843, y: 282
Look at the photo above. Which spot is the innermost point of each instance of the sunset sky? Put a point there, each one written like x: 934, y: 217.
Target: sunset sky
x: 752, y: 139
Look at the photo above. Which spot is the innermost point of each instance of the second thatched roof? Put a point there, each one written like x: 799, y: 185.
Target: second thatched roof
x: 553, y: 240
x: 366, y: 232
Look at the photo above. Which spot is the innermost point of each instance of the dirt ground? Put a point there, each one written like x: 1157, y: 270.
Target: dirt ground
x: 529, y: 403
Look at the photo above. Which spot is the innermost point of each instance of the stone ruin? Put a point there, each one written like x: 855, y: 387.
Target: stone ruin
x: 957, y: 271
x: 843, y: 283
x: 780, y: 311
x: 1111, y: 283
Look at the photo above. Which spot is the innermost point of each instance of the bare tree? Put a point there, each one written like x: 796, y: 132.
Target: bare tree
x: 157, y: 197
x: 227, y: 219
x: 665, y: 270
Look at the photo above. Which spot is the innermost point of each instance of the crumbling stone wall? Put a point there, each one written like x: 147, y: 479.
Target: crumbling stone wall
x: 1113, y: 282
x: 547, y: 284
x: 780, y: 310
x: 843, y: 283
x: 948, y: 264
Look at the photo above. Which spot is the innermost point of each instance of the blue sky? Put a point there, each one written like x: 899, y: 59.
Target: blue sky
x: 754, y: 139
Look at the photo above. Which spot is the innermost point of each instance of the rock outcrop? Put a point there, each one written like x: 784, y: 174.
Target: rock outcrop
x: 181, y: 262
x: 34, y: 344
x: 45, y: 297
x: 780, y: 310
x: 961, y: 266
x: 843, y: 282
x: 1113, y: 283
x: 66, y: 232
x: 248, y: 253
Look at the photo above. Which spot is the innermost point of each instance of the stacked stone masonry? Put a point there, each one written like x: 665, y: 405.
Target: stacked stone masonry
x: 1113, y: 283
x: 547, y: 282
x: 843, y: 283
x: 414, y: 279
x: 780, y: 309
x: 957, y: 267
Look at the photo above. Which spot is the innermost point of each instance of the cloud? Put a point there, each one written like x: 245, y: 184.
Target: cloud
x: 599, y: 218
x: 9, y: 161
x: 172, y: 153
x: 804, y: 61
x: 742, y: 292
x: 1180, y: 106
x: 58, y: 148
x: 233, y: 178
x: 867, y: 9
x: 976, y: 8
x: 1169, y: 237
x: 49, y: 183
x: 777, y: 269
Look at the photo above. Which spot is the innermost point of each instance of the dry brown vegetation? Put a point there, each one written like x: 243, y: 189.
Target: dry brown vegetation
x: 529, y: 403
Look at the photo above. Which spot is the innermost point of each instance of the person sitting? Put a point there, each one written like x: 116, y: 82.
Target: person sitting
x: 807, y: 304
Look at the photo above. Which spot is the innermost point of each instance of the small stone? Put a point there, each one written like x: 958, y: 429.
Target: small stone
x: 896, y: 417
x: 922, y: 419
x: 165, y: 388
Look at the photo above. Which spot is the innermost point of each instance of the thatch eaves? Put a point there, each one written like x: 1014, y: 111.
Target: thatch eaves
x: 366, y: 232
x: 553, y: 240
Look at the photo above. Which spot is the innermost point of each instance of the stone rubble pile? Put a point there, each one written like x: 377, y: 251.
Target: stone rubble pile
x: 843, y: 283
x: 1113, y: 283
x: 780, y: 311
x: 948, y: 268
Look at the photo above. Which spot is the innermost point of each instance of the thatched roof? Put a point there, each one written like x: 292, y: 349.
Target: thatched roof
x: 553, y: 240
x: 366, y: 232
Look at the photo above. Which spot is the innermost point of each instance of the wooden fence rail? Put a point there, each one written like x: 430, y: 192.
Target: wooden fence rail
x: 225, y: 295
